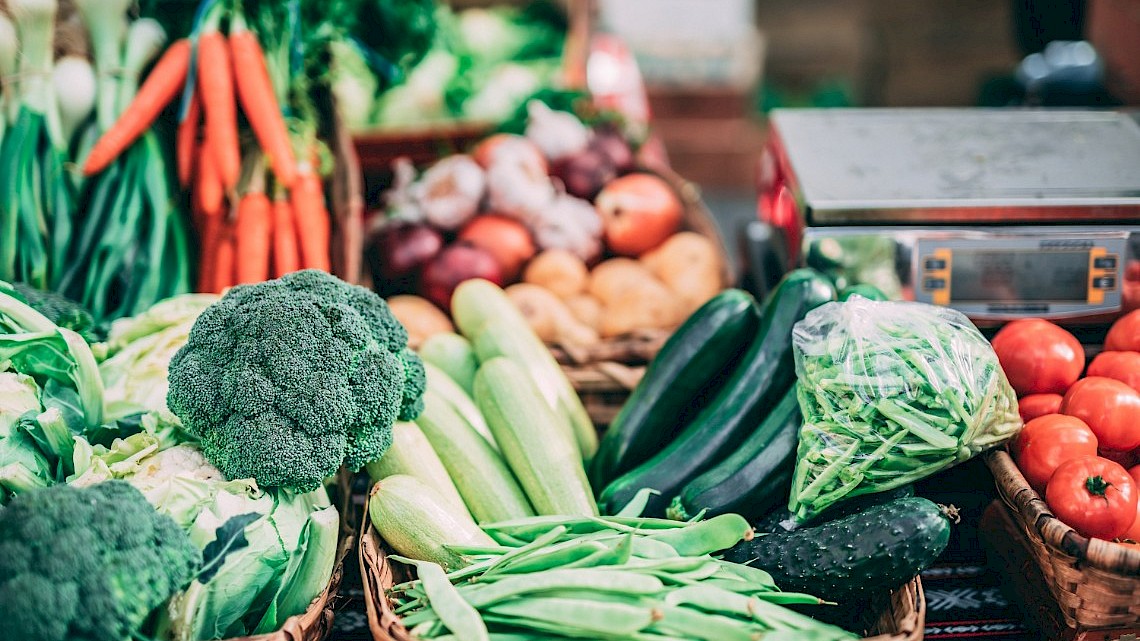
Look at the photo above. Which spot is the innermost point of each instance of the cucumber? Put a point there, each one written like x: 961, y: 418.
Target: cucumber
x: 419, y: 523
x: 881, y: 547
x: 546, y: 465
x: 755, y: 477
x: 480, y: 474
x: 784, y: 520
x: 870, y: 292
x: 764, y: 374
x: 411, y: 454
x: 683, y: 377
x: 453, y: 354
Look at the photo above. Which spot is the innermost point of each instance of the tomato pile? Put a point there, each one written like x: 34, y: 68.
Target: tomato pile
x: 1080, y: 447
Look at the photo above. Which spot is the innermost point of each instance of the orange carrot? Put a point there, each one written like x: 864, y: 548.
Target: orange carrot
x: 163, y: 83
x: 215, y: 81
x: 285, y: 257
x: 187, y: 141
x: 225, y: 255
x: 259, y: 102
x: 209, y: 232
x: 253, y: 234
x: 308, y: 200
x: 210, y: 193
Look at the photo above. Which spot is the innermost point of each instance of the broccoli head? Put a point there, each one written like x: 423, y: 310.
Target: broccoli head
x: 283, y: 381
x: 87, y: 564
x: 60, y: 310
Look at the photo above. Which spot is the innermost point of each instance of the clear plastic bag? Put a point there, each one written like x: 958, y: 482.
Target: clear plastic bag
x: 891, y: 393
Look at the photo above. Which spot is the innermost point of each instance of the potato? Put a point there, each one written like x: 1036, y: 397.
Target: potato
x: 420, y: 317
x: 611, y: 279
x: 559, y: 271
x: 648, y: 306
x: 689, y: 264
x: 586, y: 309
x: 549, y: 317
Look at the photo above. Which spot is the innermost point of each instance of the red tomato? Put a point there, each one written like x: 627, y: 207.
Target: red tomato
x: 1094, y: 496
x: 1034, y: 405
x: 1039, y: 357
x: 1125, y: 459
x: 1124, y: 335
x: 1110, y: 408
x: 1048, y: 441
x: 1123, y: 366
x: 1133, y: 532
x: 506, y: 239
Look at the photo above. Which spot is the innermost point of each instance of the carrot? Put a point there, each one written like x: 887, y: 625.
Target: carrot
x: 163, y: 83
x: 209, y: 232
x: 308, y: 201
x: 253, y: 234
x: 225, y: 255
x: 187, y: 141
x: 210, y: 193
x: 215, y: 81
x: 285, y: 256
x: 259, y: 102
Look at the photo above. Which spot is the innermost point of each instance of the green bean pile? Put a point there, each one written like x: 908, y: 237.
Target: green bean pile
x: 604, y: 578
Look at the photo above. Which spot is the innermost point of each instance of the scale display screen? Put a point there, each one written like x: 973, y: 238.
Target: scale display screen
x: 1031, y: 276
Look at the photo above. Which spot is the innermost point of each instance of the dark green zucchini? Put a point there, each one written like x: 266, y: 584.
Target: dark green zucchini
x: 782, y: 519
x: 757, y: 384
x: 870, y: 292
x: 682, y: 378
x: 880, y: 548
x: 755, y: 477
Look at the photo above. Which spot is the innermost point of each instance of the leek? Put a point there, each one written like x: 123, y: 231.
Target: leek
x: 104, y: 22
x: 75, y: 84
x: 35, y: 22
x: 145, y: 39
x: 9, y: 44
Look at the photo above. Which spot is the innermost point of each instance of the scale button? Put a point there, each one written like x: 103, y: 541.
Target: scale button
x: 931, y: 284
x: 1107, y: 262
x: 935, y: 264
x: 1105, y: 282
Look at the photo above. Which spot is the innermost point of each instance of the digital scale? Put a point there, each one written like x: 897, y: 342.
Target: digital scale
x: 1001, y: 214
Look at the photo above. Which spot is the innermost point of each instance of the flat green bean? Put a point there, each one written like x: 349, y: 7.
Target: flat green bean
x: 604, y: 618
x: 456, y: 614
x: 718, y: 533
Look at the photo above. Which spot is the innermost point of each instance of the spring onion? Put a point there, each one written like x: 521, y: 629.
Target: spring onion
x: 104, y: 22
x: 75, y: 85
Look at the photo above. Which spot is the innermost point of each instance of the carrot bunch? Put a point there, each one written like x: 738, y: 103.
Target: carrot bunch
x: 244, y: 234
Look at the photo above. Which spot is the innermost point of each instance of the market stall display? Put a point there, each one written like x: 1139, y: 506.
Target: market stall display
x: 521, y: 440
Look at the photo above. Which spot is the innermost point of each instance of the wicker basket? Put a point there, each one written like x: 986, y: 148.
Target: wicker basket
x: 899, y: 616
x: 315, y: 624
x: 1096, y: 583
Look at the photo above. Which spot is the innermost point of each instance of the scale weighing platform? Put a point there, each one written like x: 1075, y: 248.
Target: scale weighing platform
x: 1001, y: 214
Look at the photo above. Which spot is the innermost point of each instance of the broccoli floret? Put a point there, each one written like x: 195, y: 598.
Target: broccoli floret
x: 87, y: 564
x: 60, y: 310
x: 284, y: 381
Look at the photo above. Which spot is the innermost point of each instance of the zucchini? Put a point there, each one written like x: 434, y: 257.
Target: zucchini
x: 546, y: 465
x: 419, y: 523
x: 411, y: 454
x: 482, y: 310
x: 687, y: 372
x: 870, y: 292
x: 758, y: 383
x: 459, y: 399
x: 784, y: 520
x: 453, y: 354
x: 880, y: 548
x: 482, y: 477
x: 755, y: 477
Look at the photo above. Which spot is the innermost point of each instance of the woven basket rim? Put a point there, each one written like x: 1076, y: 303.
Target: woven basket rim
x: 905, y: 614
x: 315, y: 623
x: 1061, y: 539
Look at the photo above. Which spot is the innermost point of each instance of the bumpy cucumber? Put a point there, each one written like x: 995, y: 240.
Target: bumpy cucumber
x: 783, y: 520
x: 879, y: 548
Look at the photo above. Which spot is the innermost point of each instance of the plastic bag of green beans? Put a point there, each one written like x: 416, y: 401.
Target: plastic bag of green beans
x: 891, y: 393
